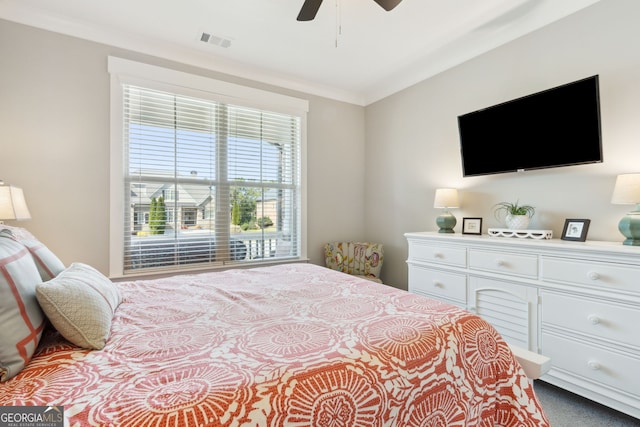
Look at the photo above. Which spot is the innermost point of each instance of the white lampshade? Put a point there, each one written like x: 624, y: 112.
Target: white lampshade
x: 12, y: 203
x: 627, y: 189
x: 446, y: 198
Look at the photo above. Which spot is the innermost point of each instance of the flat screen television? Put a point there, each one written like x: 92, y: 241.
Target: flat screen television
x: 556, y: 127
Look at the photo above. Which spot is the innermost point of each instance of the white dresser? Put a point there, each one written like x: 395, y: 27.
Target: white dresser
x: 576, y: 302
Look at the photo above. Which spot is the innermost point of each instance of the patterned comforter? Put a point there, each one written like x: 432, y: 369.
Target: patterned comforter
x: 291, y: 345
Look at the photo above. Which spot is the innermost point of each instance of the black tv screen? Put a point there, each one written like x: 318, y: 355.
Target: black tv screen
x: 552, y: 128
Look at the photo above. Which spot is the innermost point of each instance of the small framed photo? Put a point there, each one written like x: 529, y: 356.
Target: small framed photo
x: 472, y: 226
x: 575, y: 229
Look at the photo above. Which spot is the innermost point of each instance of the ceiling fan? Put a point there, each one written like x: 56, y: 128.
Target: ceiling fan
x: 310, y: 8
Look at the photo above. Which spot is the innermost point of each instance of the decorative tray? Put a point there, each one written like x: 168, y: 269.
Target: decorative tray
x: 521, y: 234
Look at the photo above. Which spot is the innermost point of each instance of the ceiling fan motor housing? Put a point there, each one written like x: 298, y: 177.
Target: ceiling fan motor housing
x: 310, y: 8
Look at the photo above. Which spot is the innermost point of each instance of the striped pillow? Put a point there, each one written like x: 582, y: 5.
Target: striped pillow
x: 49, y: 265
x: 21, y: 318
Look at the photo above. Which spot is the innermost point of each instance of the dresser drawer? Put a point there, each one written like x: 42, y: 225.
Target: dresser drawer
x: 601, y: 275
x: 447, y: 255
x: 437, y: 283
x: 612, y: 322
x: 504, y: 262
x: 597, y: 364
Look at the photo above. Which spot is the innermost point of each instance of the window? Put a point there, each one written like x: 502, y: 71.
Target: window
x: 207, y: 173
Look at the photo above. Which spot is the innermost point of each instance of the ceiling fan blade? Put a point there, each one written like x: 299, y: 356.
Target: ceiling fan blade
x: 309, y: 10
x: 388, y: 4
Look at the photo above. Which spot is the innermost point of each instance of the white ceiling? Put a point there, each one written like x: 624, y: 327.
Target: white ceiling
x: 353, y: 51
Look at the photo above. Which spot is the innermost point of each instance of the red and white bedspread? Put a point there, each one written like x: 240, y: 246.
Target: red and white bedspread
x: 291, y: 345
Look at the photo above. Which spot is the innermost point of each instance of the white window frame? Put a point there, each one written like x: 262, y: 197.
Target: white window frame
x: 123, y: 71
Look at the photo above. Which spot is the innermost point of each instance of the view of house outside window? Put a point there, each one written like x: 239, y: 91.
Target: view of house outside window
x: 207, y: 182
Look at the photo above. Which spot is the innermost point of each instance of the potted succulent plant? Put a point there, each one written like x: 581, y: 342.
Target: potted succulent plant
x: 515, y: 215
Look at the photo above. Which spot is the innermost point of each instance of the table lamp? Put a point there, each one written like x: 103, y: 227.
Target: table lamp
x: 12, y: 203
x: 627, y: 192
x: 446, y: 198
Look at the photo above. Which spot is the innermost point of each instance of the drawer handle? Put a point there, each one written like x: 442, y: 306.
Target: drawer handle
x: 595, y: 320
x: 594, y: 365
x: 593, y: 275
x: 438, y: 284
x: 500, y: 263
x: 438, y: 255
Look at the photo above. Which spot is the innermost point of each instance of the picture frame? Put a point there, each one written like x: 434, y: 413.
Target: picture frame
x: 575, y: 229
x: 472, y: 226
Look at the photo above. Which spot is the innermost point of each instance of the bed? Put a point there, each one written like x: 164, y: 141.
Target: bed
x: 286, y: 345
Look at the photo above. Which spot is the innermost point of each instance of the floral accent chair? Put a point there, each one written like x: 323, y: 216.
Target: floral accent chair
x: 361, y: 259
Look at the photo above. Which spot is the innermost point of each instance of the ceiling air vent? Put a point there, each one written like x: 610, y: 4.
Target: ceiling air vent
x: 215, y: 40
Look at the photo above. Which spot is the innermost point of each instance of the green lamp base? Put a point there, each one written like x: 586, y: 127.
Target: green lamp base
x: 446, y: 222
x: 629, y: 226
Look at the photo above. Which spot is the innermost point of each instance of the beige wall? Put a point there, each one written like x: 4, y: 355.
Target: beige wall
x: 54, y: 143
x: 54, y: 116
x: 413, y: 146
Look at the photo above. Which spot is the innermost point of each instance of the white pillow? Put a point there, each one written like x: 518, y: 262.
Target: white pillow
x: 80, y: 303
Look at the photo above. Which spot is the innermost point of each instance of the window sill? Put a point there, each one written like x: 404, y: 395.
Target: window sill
x: 195, y: 270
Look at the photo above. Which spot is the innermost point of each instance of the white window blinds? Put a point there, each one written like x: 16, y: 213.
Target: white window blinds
x: 207, y: 182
